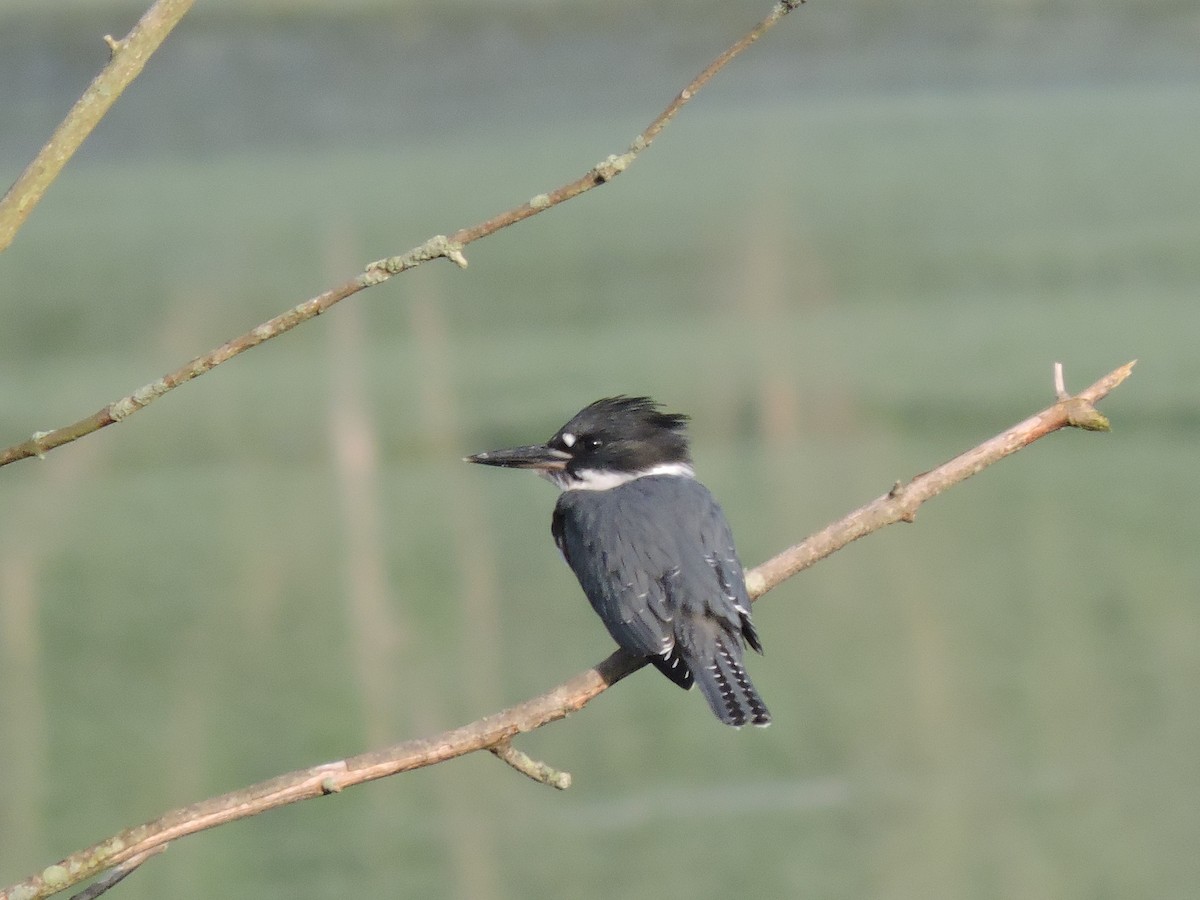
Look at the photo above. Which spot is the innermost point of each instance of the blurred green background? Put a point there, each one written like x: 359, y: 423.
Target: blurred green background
x: 856, y: 254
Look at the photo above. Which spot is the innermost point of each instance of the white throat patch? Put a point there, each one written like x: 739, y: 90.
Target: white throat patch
x: 596, y: 480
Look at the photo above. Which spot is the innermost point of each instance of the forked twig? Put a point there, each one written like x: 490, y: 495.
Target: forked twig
x: 531, y: 768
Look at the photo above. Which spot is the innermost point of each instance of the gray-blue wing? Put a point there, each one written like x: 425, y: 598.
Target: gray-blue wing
x: 624, y: 559
x: 656, y: 559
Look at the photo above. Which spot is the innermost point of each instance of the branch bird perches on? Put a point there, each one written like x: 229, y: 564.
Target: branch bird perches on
x: 495, y: 733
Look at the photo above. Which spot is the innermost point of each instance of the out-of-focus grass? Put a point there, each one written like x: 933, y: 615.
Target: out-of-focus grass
x: 843, y: 291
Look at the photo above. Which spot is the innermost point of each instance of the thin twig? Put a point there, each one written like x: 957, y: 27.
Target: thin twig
x: 42, y: 442
x: 1060, y: 382
x: 899, y: 504
x: 117, y: 874
x: 129, y: 56
x: 531, y: 768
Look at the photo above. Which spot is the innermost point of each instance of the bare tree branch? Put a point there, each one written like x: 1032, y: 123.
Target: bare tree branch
x: 381, y: 270
x: 129, y: 57
x: 495, y: 732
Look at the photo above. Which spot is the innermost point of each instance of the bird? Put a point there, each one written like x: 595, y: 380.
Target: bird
x: 650, y: 546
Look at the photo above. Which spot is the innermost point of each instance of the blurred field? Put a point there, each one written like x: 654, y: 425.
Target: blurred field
x: 850, y: 260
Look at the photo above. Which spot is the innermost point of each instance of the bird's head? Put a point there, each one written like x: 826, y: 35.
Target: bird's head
x: 605, y: 444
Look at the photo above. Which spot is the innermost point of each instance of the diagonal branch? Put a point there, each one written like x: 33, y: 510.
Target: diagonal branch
x: 129, y: 57
x: 381, y: 270
x: 495, y: 732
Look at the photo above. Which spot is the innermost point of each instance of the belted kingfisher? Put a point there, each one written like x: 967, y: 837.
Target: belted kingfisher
x: 650, y: 546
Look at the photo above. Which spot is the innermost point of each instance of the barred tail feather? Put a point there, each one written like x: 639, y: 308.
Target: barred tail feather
x: 728, y: 689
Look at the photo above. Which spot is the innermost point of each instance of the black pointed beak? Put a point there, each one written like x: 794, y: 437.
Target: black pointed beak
x: 539, y: 457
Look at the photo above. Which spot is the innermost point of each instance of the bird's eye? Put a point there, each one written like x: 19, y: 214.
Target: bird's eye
x: 594, y: 443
